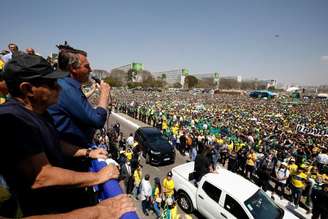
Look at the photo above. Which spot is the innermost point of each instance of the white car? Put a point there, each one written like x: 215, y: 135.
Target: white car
x: 224, y: 195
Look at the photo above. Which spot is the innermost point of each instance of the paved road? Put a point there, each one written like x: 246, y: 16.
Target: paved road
x: 130, y: 125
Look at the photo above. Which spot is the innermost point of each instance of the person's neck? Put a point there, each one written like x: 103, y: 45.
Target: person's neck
x: 30, y: 105
x: 76, y: 79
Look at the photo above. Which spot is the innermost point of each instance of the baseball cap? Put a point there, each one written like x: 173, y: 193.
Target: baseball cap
x: 169, y: 174
x: 27, y: 67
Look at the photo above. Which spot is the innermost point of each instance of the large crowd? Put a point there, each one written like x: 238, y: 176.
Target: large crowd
x: 49, y: 124
x: 253, y: 137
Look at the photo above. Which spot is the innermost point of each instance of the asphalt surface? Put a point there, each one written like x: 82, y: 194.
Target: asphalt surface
x: 129, y: 125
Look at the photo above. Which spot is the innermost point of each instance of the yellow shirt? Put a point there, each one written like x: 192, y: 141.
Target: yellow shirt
x: 299, y: 179
x: 230, y: 146
x: 164, y: 125
x: 2, y: 64
x: 175, y: 130
x: 168, y: 186
x: 156, y: 193
x: 128, y: 155
x: 292, y: 168
x: 251, y: 159
x: 220, y: 141
x: 137, y: 177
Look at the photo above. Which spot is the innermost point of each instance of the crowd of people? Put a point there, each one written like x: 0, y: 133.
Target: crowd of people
x: 253, y: 137
x: 48, y: 129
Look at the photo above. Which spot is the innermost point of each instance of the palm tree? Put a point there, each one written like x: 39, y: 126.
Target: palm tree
x: 163, y: 77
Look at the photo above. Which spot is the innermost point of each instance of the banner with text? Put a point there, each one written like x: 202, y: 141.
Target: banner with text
x: 311, y: 131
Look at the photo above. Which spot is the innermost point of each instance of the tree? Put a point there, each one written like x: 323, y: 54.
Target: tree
x: 227, y: 83
x: 191, y: 81
x: 248, y: 85
x: 206, y: 83
x: 144, y: 75
x: 163, y: 77
x: 131, y: 75
x: 134, y: 84
x: 152, y: 82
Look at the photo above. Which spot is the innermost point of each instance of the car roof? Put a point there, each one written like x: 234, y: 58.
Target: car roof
x: 150, y: 130
x: 235, y: 185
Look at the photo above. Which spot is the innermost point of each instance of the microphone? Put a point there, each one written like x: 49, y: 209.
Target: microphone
x: 97, y: 80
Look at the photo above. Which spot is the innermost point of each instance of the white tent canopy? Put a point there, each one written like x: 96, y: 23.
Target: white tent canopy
x: 323, y: 95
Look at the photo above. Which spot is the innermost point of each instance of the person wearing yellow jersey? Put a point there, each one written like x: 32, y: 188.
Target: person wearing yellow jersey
x: 168, y: 185
x: 250, y: 163
x: 292, y: 167
x: 231, y: 146
x: 219, y: 140
x: 137, y: 176
x: 298, y: 182
x: 164, y: 124
x: 128, y: 154
x: 175, y: 129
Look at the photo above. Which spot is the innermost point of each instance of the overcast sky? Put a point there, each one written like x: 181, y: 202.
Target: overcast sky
x: 286, y: 40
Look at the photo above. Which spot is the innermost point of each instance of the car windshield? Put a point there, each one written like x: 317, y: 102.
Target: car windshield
x: 153, y: 138
x: 158, y: 140
x: 261, y: 206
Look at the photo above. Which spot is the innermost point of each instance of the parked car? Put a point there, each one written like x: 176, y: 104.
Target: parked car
x: 224, y: 195
x: 154, y: 145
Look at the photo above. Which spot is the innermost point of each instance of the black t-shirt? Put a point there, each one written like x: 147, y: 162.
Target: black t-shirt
x: 23, y: 134
x: 202, y: 164
x: 183, y: 140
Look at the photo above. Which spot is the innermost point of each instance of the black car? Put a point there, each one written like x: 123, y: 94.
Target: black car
x: 154, y: 145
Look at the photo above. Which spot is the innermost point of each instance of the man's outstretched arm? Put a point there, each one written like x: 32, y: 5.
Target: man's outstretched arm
x: 42, y: 174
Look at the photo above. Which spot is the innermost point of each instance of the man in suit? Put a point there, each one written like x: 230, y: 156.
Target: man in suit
x: 126, y: 174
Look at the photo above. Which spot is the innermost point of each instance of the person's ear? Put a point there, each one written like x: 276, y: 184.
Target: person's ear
x: 73, y: 72
x: 26, y: 88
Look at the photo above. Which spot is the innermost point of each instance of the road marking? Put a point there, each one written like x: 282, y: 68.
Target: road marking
x: 126, y: 120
